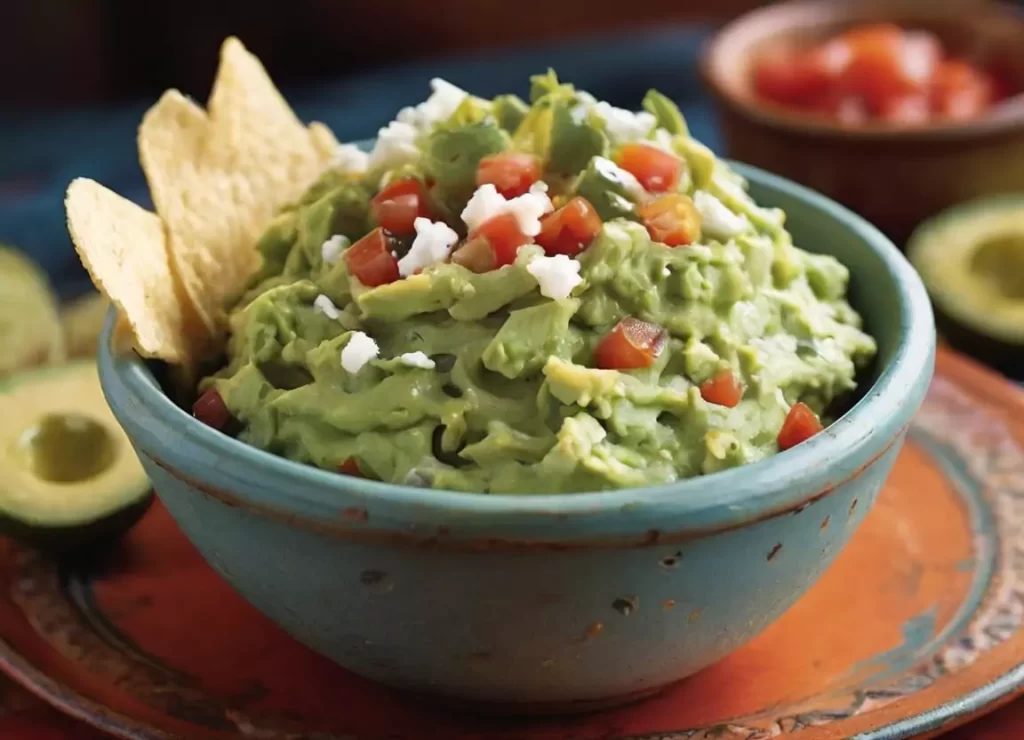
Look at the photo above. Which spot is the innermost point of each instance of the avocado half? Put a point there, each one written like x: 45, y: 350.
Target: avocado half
x: 31, y: 333
x: 69, y: 477
x: 971, y: 259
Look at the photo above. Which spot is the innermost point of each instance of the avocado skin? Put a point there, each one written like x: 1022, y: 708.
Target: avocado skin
x: 97, y: 534
x: 1004, y: 357
x: 972, y: 221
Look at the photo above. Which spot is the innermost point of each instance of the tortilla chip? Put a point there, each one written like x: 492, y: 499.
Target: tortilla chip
x: 124, y: 248
x: 218, y: 177
x: 324, y: 141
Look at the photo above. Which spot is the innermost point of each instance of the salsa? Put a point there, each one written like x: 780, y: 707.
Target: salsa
x: 525, y: 297
x: 878, y: 72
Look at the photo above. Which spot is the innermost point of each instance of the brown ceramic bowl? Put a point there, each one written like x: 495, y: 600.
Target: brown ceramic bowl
x: 895, y: 177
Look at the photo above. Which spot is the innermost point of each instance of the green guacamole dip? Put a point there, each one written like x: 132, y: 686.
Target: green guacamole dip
x: 486, y: 378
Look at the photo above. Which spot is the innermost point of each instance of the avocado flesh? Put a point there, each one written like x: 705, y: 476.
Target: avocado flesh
x: 68, y: 474
x: 30, y: 330
x: 971, y: 259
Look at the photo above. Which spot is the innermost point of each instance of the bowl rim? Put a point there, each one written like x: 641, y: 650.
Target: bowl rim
x: 712, y: 60
x: 720, y: 500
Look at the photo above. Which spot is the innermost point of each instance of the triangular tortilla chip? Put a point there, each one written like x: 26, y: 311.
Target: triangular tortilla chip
x: 218, y: 177
x: 124, y: 248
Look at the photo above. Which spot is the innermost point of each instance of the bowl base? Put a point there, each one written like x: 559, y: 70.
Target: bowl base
x: 539, y: 708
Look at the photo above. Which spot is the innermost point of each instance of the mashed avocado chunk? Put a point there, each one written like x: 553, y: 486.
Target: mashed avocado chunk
x: 550, y: 297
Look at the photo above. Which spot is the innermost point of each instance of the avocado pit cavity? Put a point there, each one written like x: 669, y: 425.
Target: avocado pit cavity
x: 65, y: 448
x: 1000, y: 261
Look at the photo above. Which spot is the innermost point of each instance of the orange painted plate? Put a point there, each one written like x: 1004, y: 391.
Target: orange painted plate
x: 916, y: 628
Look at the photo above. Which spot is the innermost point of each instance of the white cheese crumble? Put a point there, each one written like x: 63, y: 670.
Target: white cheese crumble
x: 539, y: 188
x: 444, y: 99
x: 611, y: 171
x: 919, y: 56
x: 417, y: 359
x: 487, y: 203
x: 662, y: 140
x: 716, y: 220
x: 330, y: 250
x: 556, y: 276
x: 433, y: 242
x: 326, y: 306
x: 359, y: 351
x: 624, y: 126
x: 350, y: 159
x: 396, y: 146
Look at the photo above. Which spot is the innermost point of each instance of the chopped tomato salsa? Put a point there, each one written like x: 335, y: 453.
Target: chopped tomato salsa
x: 671, y: 219
x: 658, y: 171
x: 210, y: 409
x: 800, y: 425
x: 503, y: 235
x: 476, y: 255
x: 724, y: 389
x: 570, y: 229
x: 351, y: 467
x: 397, y: 206
x: 878, y: 72
x: 630, y: 345
x: 372, y: 260
x: 511, y: 173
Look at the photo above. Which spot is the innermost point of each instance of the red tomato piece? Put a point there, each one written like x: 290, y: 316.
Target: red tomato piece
x: 960, y: 91
x: 909, y: 110
x: 210, y: 409
x: 476, y: 255
x: 658, y: 171
x: 887, y: 62
x: 504, y: 235
x: 848, y: 110
x: 371, y: 259
x: 800, y: 425
x: 570, y: 229
x: 671, y: 219
x: 351, y: 467
x: 724, y: 389
x: 397, y: 206
x: 511, y: 173
x: 630, y: 345
x: 791, y: 78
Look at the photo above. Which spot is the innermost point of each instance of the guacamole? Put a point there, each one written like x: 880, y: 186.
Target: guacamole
x: 533, y: 297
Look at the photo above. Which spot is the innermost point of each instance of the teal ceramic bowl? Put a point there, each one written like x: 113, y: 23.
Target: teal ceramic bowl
x: 547, y: 602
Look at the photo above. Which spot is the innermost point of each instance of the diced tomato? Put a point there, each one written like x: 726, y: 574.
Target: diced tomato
x: 371, y: 259
x: 570, y: 229
x: 351, y: 467
x: 398, y: 205
x: 631, y: 344
x: 800, y: 425
x: 504, y: 235
x: 960, y: 91
x: 847, y: 109
x: 911, y: 109
x: 723, y: 389
x: 671, y: 219
x: 888, y: 63
x: 658, y: 171
x: 210, y: 409
x: 791, y: 78
x: 511, y: 173
x: 476, y: 255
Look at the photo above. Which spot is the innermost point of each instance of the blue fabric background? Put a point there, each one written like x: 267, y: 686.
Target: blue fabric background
x: 40, y: 154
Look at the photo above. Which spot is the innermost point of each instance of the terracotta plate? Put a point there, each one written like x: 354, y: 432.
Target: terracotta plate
x: 916, y: 628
